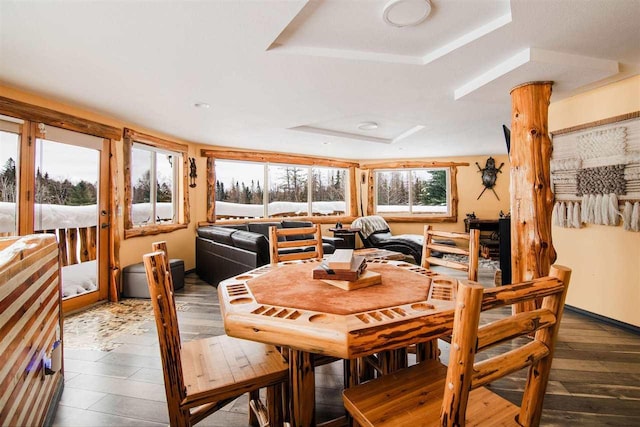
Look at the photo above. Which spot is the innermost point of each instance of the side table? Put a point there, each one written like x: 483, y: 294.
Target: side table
x: 348, y: 235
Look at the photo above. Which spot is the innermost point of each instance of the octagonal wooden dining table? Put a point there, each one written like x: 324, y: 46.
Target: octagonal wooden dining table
x: 283, y: 305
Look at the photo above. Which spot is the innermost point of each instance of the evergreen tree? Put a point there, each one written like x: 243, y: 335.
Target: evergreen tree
x: 8, y: 181
x: 257, y: 197
x: 435, y: 190
x: 82, y: 194
x: 142, y: 189
x: 164, y: 192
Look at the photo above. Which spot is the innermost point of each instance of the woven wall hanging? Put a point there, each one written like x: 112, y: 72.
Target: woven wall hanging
x: 595, y: 173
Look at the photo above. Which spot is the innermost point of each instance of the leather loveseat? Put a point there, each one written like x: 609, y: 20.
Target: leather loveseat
x: 223, y: 251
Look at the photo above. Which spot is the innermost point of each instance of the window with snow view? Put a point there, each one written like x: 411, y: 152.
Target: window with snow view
x: 155, y: 189
x: 259, y: 190
x: 154, y: 173
x: 413, y: 191
x: 9, y: 142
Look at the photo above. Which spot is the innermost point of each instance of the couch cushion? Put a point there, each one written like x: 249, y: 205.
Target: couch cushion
x: 413, y: 240
x: 217, y: 234
x: 263, y: 228
x: 298, y: 224
x: 250, y: 241
x: 380, y: 236
x: 236, y: 226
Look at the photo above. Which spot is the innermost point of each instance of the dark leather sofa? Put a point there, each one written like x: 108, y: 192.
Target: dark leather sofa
x: 223, y: 251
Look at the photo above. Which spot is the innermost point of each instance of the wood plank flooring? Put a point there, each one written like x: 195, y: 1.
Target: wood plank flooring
x: 595, y: 379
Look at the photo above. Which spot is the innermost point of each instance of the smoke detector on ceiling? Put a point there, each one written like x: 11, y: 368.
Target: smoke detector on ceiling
x: 406, y: 13
x: 368, y: 126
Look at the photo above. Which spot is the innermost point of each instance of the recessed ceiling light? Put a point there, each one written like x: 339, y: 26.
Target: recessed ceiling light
x: 368, y: 126
x: 406, y: 13
x: 201, y: 105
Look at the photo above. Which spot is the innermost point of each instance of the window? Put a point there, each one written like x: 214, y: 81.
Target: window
x: 152, y: 168
x: 9, y: 143
x: 155, y: 186
x: 419, y: 191
x: 239, y: 189
x: 292, y: 190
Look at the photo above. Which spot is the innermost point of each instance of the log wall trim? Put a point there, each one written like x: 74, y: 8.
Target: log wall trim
x: 398, y: 164
x: 211, y: 189
x: 130, y: 137
x: 273, y: 157
x: 22, y: 110
x: 114, y: 229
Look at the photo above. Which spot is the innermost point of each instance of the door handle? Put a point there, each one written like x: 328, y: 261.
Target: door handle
x: 104, y: 225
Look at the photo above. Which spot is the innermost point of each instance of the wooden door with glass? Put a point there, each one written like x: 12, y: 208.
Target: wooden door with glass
x: 71, y: 200
x: 56, y: 181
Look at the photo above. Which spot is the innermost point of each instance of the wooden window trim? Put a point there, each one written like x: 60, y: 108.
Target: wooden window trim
x: 270, y: 157
x: 129, y: 137
x: 34, y: 113
x: 266, y: 157
x: 453, y: 178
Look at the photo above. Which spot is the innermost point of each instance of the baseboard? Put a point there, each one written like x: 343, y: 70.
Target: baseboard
x: 193, y: 270
x: 53, y: 404
x: 627, y: 326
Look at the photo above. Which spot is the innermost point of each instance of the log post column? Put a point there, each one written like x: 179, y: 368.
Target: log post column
x: 532, y: 251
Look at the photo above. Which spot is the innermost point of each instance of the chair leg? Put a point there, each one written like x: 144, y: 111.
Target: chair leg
x: 275, y: 405
x: 427, y: 351
x: 254, y: 408
x: 392, y: 360
x: 366, y: 371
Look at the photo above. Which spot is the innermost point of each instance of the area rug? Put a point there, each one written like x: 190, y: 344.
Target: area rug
x: 98, y: 328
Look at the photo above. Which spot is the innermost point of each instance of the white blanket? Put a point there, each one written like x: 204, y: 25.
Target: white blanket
x: 370, y: 224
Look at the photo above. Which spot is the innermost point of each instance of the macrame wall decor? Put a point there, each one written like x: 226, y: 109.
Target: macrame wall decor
x: 595, y: 174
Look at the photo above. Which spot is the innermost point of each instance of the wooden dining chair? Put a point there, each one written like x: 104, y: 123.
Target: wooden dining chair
x: 302, y: 239
x: 470, y: 249
x: 290, y: 244
x: 431, y: 394
x: 202, y: 376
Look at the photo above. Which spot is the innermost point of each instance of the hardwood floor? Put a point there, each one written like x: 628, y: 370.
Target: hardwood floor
x: 595, y: 378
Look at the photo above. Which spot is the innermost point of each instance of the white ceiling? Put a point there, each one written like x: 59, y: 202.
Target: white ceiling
x: 298, y: 77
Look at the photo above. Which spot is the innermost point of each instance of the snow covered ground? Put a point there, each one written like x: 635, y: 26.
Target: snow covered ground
x: 239, y: 210
x: 415, y: 209
x: 48, y: 217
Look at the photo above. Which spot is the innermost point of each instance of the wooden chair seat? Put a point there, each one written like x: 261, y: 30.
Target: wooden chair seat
x: 413, y: 396
x: 216, y: 368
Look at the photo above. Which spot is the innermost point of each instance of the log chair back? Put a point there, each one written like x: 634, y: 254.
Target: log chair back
x: 465, y: 374
x: 161, y: 292
x: 274, y: 244
x: 471, y: 241
x: 413, y: 395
